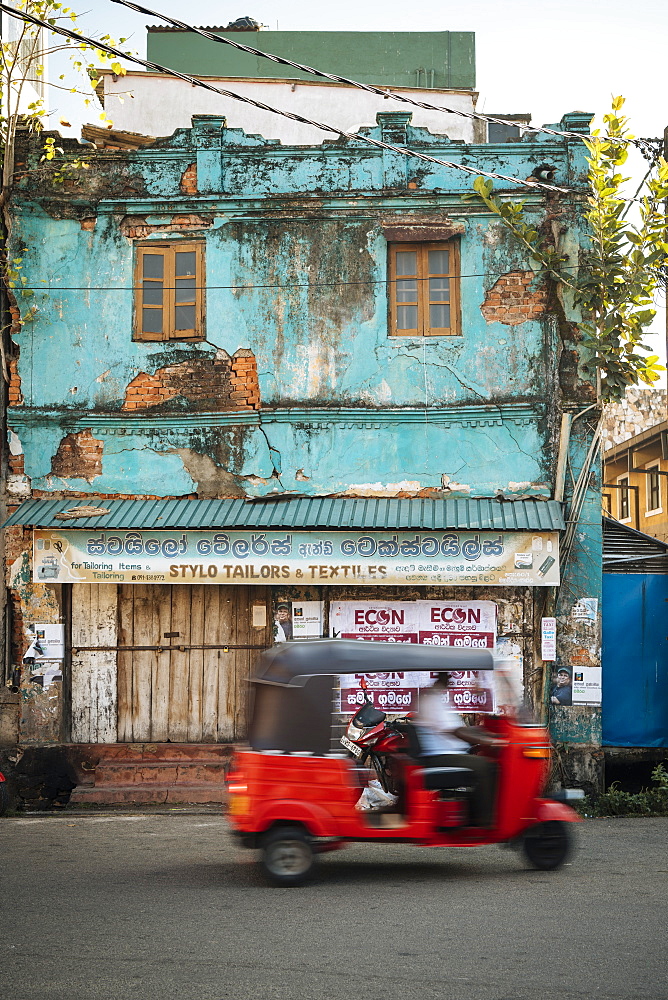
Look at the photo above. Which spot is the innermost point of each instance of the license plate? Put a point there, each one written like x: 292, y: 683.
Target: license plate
x: 351, y: 746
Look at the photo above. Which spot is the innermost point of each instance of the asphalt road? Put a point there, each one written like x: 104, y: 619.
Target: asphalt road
x: 168, y: 908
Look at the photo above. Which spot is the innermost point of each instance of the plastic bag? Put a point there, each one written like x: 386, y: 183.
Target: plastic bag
x: 374, y: 798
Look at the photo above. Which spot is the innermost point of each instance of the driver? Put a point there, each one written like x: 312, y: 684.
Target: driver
x: 445, y: 741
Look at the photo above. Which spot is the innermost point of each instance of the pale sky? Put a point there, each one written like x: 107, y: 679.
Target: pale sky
x: 547, y: 58
x: 544, y: 58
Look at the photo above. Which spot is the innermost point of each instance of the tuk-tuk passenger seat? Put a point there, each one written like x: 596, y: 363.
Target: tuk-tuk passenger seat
x: 435, y: 778
x: 440, y: 779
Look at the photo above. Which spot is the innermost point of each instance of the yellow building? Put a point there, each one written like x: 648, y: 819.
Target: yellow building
x: 635, y: 478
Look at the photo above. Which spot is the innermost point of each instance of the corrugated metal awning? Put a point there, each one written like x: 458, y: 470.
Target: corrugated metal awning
x: 626, y: 550
x: 363, y: 514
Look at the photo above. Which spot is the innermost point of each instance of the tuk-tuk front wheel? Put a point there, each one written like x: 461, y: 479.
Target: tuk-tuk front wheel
x: 287, y: 855
x: 547, y: 845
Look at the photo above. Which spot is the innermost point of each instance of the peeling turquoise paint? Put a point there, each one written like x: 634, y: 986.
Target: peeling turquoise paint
x: 296, y: 271
x: 580, y: 642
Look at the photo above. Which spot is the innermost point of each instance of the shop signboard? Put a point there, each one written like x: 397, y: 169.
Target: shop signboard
x: 367, y: 559
x: 454, y: 624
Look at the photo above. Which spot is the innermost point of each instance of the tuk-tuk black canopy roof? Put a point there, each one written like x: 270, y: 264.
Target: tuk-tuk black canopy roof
x: 290, y: 663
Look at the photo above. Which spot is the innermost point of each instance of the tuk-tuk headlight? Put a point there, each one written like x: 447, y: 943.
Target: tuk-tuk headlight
x: 354, y: 732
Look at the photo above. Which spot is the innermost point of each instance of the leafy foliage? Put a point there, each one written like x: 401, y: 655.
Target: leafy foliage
x: 22, y: 72
x: 22, y: 62
x: 620, y: 269
x: 616, y: 802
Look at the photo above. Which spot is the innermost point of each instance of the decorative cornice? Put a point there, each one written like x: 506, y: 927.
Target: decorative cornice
x: 489, y: 415
x: 124, y: 423
x: 466, y: 416
x: 351, y: 206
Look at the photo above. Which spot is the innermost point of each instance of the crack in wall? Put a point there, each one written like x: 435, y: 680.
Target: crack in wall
x: 453, y: 371
x: 272, y: 451
x: 210, y: 479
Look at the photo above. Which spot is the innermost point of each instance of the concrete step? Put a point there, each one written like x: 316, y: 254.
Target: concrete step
x: 159, y: 772
x: 156, y: 752
x: 147, y: 793
x: 153, y: 773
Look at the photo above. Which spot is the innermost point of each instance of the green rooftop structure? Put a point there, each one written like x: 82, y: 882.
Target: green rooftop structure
x: 439, y: 60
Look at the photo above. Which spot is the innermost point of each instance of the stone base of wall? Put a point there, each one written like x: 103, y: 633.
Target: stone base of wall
x: 9, y: 717
x: 114, y: 774
x: 578, y: 765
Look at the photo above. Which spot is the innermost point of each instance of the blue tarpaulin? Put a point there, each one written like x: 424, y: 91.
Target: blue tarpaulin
x: 635, y: 660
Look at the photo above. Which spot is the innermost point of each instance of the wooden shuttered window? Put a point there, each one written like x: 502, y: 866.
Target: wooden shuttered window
x: 424, y: 289
x: 624, y: 504
x: 169, y: 291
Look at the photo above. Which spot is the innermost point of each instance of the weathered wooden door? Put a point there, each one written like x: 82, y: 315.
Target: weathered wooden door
x: 152, y: 663
x: 193, y: 687
x: 93, y: 677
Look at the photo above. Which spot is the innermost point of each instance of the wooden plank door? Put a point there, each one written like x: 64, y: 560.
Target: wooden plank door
x: 93, y: 683
x: 191, y: 687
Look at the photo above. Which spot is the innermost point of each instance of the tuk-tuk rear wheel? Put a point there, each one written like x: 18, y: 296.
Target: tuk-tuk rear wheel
x: 287, y: 855
x: 547, y: 845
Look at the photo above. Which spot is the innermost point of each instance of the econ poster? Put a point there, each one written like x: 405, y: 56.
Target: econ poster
x: 453, y: 624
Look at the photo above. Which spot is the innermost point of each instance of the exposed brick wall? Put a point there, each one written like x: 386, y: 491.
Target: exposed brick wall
x: 16, y: 464
x: 18, y: 539
x: 244, y: 379
x: 211, y: 383
x: 512, y: 301
x: 135, y: 227
x: 19, y: 640
x: 79, y: 456
x: 88, y: 224
x: 188, y: 182
x: 15, y: 394
x: 15, y: 314
x: 148, y: 390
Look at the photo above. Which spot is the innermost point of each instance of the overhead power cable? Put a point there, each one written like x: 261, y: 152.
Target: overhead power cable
x: 645, y: 145
x: 194, y: 82
x: 380, y: 91
x: 286, y: 286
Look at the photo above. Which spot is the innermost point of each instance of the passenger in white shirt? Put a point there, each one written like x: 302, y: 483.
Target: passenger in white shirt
x: 445, y: 741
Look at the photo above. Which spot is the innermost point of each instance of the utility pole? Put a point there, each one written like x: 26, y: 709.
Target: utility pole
x: 665, y: 273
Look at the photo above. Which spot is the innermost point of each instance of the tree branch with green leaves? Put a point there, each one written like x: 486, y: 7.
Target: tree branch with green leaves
x: 23, y: 60
x: 620, y: 268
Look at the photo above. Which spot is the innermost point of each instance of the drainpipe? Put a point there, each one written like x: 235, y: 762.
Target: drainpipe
x: 567, y: 420
x: 564, y: 441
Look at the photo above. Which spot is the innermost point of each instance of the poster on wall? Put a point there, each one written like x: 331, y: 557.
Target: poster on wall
x: 307, y: 619
x: 297, y: 620
x: 454, y: 624
x: 548, y: 639
x: 47, y: 641
x: 367, y: 559
x: 587, y: 689
x: 45, y: 653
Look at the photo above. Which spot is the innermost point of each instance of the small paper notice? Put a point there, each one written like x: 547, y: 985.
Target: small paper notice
x: 259, y: 615
x: 585, y: 610
x: 548, y: 639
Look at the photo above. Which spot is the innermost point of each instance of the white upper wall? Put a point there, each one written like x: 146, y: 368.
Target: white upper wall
x: 157, y: 105
x: 21, y: 37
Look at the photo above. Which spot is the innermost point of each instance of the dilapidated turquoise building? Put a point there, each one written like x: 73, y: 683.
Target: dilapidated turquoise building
x: 291, y: 376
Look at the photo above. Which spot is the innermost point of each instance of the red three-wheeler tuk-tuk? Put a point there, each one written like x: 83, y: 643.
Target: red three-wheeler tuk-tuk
x: 298, y: 788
